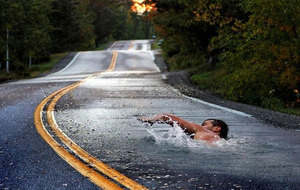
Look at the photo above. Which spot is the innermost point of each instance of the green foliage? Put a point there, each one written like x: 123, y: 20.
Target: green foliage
x: 73, y: 29
x: 38, y: 28
x: 4, y: 76
x: 254, y: 43
x: 105, y: 22
x: 28, y: 27
x: 203, y: 80
x: 262, y: 57
x: 184, y: 37
x: 45, y: 67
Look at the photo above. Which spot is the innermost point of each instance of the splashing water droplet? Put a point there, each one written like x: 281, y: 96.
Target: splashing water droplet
x: 176, y: 137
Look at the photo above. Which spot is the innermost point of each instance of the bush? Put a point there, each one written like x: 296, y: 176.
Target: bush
x: 4, y: 76
x: 204, y: 80
x: 261, y: 55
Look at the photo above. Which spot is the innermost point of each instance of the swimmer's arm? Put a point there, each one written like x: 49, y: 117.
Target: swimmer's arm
x: 161, y: 118
x: 171, y: 119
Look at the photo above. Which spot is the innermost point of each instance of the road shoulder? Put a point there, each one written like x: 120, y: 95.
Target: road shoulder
x: 180, y: 81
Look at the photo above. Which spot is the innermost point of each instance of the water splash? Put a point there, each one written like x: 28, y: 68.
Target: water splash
x: 175, y: 137
x: 172, y: 137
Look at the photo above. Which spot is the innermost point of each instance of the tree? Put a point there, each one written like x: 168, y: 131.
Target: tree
x: 35, y: 29
x: 72, y: 22
x: 28, y: 27
x: 185, y: 38
x: 262, y: 55
x: 9, y: 22
x: 256, y: 42
x: 106, y: 18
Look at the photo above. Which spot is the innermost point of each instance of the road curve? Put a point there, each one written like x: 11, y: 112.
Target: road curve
x: 82, y: 167
x: 100, y: 115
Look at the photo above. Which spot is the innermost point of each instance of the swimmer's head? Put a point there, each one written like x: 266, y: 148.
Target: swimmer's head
x: 224, y: 127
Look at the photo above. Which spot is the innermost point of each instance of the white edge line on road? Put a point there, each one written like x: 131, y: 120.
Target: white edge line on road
x: 153, y: 59
x: 25, y: 81
x: 71, y: 62
x: 152, y: 54
x: 108, y: 49
x: 211, y: 104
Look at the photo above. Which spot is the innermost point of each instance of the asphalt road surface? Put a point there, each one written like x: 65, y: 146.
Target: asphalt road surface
x: 100, y: 115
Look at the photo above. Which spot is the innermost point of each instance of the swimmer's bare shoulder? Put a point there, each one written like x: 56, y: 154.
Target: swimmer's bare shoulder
x: 206, y: 136
x: 203, y: 134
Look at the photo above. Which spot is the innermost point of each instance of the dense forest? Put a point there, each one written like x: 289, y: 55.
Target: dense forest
x: 245, y: 50
x: 31, y: 30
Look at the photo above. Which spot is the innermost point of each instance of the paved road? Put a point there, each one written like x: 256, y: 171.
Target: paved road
x: 101, y: 116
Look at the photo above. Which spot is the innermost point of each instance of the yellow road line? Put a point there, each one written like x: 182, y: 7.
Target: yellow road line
x: 95, y: 177
x: 103, y: 168
x: 113, y: 62
x: 86, y: 171
x: 131, y: 45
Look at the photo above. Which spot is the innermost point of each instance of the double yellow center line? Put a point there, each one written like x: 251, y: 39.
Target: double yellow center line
x: 113, y: 61
x: 99, y: 171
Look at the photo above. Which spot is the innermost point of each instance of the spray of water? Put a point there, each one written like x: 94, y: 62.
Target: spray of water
x: 175, y: 137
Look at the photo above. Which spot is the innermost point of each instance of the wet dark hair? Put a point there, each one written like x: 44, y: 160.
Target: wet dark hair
x: 223, y: 125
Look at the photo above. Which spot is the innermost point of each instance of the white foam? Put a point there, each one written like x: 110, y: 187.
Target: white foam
x: 175, y: 137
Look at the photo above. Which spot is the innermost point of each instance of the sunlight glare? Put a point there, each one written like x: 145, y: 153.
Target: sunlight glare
x: 141, y: 6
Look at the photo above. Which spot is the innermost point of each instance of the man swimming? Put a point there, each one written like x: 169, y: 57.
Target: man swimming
x: 210, y: 131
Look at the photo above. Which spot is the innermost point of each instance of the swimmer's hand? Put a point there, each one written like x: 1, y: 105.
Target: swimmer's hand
x: 146, y: 120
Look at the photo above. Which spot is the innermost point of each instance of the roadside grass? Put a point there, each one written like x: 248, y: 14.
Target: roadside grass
x: 155, y: 46
x: 292, y: 111
x: 102, y: 46
x: 105, y: 44
x: 4, y: 76
x: 41, y: 68
x: 207, y: 81
x: 203, y: 80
